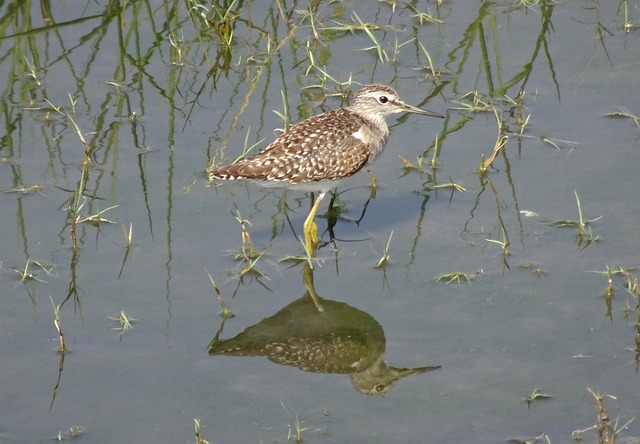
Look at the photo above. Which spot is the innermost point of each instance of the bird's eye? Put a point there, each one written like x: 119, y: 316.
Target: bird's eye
x: 379, y: 387
x: 383, y: 99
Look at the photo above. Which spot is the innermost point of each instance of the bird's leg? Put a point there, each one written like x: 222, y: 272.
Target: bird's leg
x: 310, y: 228
x: 332, y: 218
x: 374, y: 183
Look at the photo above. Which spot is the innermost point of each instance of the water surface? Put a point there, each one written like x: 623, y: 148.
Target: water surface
x: 158, y: 95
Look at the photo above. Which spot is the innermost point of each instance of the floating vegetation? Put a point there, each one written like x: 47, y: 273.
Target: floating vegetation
x: 410, y: 166
x: 584, y: 237
x: 26, y: 275
x: 473, y: 102
x: 535, y: 395
x: 625, y: 113
x: 295, y: 430
x: 384, y: 260
x: 123, y: 322
x: 450, y: 186
x: 96, y: 219
x: 458, y: 277
x: 533, y: 266
x: 26, y: 189
x: 73, y: 433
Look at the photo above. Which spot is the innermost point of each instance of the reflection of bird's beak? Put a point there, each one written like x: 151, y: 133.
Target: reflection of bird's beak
x: 413, y: 109
x: 416, y: 371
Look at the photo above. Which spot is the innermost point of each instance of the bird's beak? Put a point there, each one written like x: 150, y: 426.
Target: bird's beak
x: 413, y: 109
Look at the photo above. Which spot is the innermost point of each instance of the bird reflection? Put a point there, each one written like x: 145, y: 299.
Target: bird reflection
x: 322, y: 336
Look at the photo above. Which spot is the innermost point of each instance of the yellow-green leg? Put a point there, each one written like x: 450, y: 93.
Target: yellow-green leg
x: 310, y: 228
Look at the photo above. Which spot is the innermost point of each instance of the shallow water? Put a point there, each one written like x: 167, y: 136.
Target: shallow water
x: 534, y: 319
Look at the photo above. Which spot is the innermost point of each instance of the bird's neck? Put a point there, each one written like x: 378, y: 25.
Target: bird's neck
x: 374, y: 133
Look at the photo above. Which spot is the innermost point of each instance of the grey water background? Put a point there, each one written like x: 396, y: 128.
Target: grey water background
x: 157, y: 95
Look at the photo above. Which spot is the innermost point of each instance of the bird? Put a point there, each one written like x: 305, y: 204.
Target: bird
x: 339, y: 339
x: 318, y: 154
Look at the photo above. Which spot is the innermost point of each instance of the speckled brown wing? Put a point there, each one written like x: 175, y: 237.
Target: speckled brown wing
x: 320, y: 148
